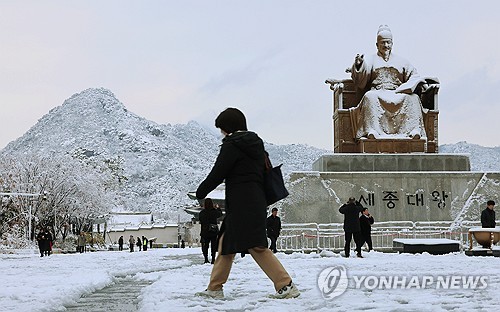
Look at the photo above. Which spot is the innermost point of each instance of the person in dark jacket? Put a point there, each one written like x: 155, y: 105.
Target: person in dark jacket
x: 43, y: 242
x: 139, y: 243
x: 241, y: 164
x: 50, y: 241
x: 273, y: 226
x: 120, y: 243
x: 209, y: 228
x: 365, y: 221
x: 351, y: 211
x: 488, y: 215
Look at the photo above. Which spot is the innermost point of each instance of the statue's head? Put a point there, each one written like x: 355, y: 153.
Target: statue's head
x: 384, y: 40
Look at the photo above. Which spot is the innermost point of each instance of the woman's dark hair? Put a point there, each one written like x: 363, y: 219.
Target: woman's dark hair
x: 208, y: 204
x: 490, y: 203
x: 231, y: 120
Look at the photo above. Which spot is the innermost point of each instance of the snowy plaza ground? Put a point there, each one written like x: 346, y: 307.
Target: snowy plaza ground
x: 171, y: 277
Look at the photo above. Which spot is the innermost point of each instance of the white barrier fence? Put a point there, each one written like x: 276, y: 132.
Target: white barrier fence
x: 309, y: 237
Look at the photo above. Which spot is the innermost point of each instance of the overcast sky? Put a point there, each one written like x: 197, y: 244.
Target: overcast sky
x: 176, y: 61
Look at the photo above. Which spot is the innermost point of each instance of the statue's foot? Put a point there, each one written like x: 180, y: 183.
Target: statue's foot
x: 371, y: 136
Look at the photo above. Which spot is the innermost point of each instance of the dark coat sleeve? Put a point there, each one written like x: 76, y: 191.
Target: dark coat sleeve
x: 224, y: 163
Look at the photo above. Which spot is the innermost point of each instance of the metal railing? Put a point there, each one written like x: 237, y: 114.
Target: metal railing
x: 307, y: 237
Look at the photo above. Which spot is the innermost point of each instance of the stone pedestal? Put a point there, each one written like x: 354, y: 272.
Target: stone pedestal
x: 395, y: 187
x: 391, y: 162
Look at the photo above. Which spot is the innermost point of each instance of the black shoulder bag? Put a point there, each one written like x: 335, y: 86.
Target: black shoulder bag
x: 274, y: 186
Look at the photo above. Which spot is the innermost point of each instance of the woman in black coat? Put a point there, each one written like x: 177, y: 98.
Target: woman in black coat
x: 241, y: 164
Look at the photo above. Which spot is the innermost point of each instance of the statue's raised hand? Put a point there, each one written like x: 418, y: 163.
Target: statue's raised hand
x: 358, y: 60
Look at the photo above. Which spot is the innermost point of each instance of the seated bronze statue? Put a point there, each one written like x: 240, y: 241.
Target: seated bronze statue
x: 386, y: 100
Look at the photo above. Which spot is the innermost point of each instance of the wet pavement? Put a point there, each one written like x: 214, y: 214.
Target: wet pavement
x: 123, y: 294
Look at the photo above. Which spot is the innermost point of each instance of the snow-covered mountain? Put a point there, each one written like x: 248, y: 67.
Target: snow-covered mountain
x: 481, y: 158
x: 161, y: 162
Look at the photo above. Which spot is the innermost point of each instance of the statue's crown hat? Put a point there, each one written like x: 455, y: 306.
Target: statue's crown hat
x: 384, y: 32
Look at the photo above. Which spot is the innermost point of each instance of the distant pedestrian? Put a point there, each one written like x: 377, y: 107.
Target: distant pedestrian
x: 488, y: 215
x: 144, y: 243
x: 81, y: 241
x: 351, y: 211
x: 120, y: 243
x: 43, y: 242
x: 139, y: 243
x: 131, y: 243
x: 50, y: 241
x: 273, y: 226
x: 365, y: 221
x: 209, y: 228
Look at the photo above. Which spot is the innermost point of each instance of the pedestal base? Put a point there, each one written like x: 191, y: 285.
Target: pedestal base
x: 392, y: 162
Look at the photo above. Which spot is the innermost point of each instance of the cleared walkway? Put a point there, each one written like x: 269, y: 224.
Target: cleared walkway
x: 123, y: 295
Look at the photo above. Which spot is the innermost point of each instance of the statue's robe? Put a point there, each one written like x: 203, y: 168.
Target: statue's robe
x: 389, y: 108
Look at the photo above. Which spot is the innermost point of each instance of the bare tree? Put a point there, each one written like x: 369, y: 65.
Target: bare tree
x: 72, y: 193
